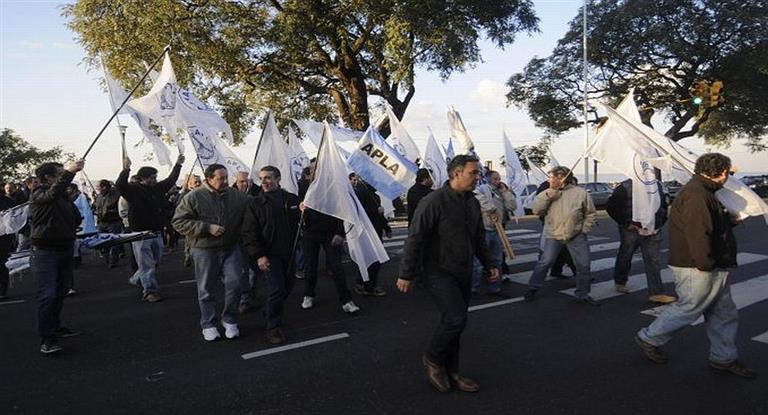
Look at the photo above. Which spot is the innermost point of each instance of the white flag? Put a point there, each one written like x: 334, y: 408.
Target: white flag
x: 274, y: 151
x: 387, y: 170
x: 297, y: 156
x: 735, y: 196
x: 331, y: 193
x: 516, y: 179
x: 13, y: 219
x: 628, y: 153
x: 458, y: 131
x: 434, y: 160
x: 536, y: 175
x: 116, y: 96
x: 449, y: 153
x: 552, y: 160
x: 314, y: 131
x: 400, y: 139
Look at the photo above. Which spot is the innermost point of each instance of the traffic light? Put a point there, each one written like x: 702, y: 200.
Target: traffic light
x: 699, y: 90
x: 716, y: 93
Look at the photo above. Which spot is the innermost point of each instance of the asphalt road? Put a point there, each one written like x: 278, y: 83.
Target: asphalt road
x: 549, y: 356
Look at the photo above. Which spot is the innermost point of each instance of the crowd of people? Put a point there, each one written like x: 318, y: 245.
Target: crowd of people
x: 235, y: 234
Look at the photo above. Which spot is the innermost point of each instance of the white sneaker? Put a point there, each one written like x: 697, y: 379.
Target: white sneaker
x: 506, y: 277
x: 350, y: 308
x: 307, y: 302
x: 231, y: 331
x: 211, y: 333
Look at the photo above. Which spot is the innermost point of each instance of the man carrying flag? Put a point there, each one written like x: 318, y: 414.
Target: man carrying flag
x: 446, y: 233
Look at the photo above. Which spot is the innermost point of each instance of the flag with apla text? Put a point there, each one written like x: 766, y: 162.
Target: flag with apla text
x: 383, y: 167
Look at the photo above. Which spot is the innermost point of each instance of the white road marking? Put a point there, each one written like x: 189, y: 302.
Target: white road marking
x: 495, y: 304
x: 293, y: 346
x: 11, y: 302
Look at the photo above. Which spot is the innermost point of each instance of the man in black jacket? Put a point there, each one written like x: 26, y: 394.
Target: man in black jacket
x: 105, y: 208
x: 269, y: 231
x: 372, y: 206
x: 54, y: 220
x: 147, y: 212
x: 421, y: 188
x: 702, y: 248
x: 632, y: 235
x: 446, y: 234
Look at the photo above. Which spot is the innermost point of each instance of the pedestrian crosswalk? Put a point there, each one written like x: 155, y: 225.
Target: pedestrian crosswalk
x: 745, y: 293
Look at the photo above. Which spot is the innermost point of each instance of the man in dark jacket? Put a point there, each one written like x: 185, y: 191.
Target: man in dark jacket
x: 54, y: 221
x: 421, y: 188
x: 105, y: 208
x: 632, y: 236
x: 372, y: 206
x: 443, y: 239
x: 147, y: 212
x: 269, y: 231
x: 702, y: 248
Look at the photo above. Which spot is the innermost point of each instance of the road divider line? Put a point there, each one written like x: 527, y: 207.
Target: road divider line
x: 11, y: 302
x: 293, y: 346
x: 762, y: 338
x: 187, y: 281
x: 495, y: 304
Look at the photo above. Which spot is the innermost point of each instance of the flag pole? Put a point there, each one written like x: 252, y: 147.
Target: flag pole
x: 135, y: 87
x: 258, y: 146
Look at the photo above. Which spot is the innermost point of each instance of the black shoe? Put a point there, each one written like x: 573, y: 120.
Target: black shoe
x: 65, y: 332
x: 653, y: 353
x: 559, y: 275
x: 498, y: 294
x: 50, y: 346
x: 735, y: 367
x: 530, y: 295
x: 276, y: 336
x: 589, y: 301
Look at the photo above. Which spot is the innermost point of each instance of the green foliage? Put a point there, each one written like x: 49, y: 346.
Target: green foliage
x: 659, y: 48
x: 18, y: 158
x: 319, y: 59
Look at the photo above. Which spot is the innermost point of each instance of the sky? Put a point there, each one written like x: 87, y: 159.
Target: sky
x: 48, y: 97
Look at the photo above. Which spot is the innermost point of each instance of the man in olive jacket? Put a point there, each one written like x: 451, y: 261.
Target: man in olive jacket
x: 569, y: 215
x: 702, y: 248
x: 211, y: 217
x: 269, y: 232
x: 445, y: 235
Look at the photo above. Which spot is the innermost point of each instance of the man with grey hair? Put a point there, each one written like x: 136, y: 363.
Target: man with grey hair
x: 569, y: 215
x: 702, y: 248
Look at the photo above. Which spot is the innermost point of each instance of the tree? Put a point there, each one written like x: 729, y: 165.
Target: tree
x: 18, y: 158
x: 537, y: 154
x: 660, y: 48
x: 300, y: 58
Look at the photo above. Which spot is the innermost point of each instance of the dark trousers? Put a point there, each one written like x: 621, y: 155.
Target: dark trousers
x: 312, y: 244
x: 53, y: 270
x: 280, y: 279
x: 451, y: 295
x: 4, y: 278
x: 112, y: 253
x: 563, y: 259
x: 373, y: 277
x: 649, y: 246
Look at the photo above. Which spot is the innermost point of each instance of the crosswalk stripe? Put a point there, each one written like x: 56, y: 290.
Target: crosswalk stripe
x: 762, y: 338
x: 744, y: 293
x: 596, y: 265
x: 534, y: 256
x: 399, y: 243
x: 396, y: 238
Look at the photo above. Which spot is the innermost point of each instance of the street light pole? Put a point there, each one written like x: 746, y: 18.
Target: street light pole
x: 584, y: 64
x: 122, y: 129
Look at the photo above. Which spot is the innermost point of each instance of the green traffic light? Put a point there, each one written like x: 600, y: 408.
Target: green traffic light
x: 697, y: 101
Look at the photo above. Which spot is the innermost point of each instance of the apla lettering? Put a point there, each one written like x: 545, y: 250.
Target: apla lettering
x: 374, y: 153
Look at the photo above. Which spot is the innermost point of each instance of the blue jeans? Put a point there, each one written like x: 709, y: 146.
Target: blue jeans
x: 649, y: 246
x: 699, y: 293
x: 550, y: 249
x: 53, y: 270
x: 280, y: 279
x: 497, y: 253
x: 210, y: 265
x: 148, y: 253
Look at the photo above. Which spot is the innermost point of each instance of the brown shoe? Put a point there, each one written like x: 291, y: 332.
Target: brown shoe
x: 662, y: 299
x: 436, y: 375
x: 622, y: 288
x: 152, y: 297
x: 276, y: 336
x: 735, y: 367
x: 653, y: 353
x: 464, y: 384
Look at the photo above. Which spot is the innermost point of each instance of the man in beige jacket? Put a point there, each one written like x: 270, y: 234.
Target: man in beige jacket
x: 568, y: 217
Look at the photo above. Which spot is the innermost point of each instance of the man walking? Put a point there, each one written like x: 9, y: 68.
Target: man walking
x: 702, y: 248
x: 568, y: 217
x: 54, y: 221
x: 496, y: 203
x: 632, y: 236
x: 107, y: 212
x: 421, y: 188
x: 444, y: 237
x: 269, y: 231
x: 147, y: 203
x: 210, y: 217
